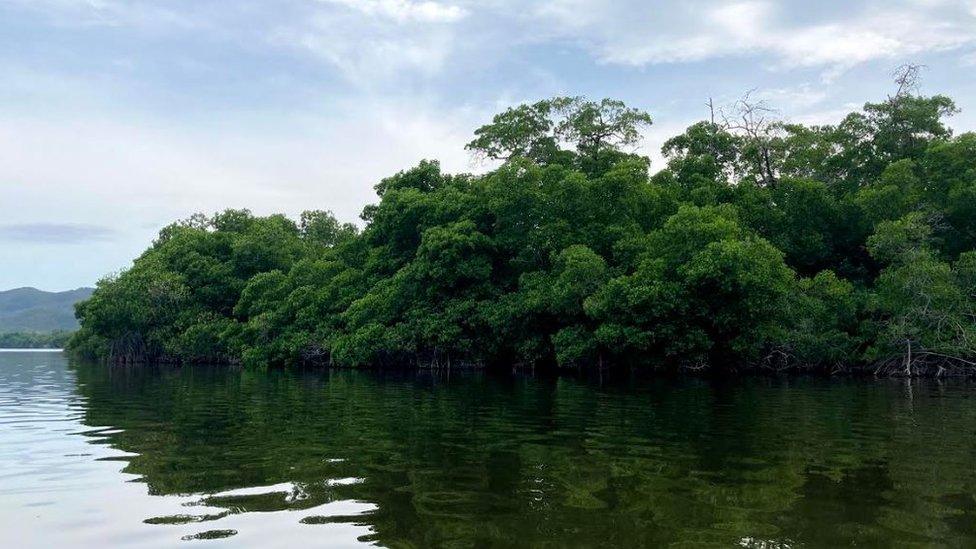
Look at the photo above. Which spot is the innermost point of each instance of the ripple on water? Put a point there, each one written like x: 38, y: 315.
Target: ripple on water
x: 422, y: 460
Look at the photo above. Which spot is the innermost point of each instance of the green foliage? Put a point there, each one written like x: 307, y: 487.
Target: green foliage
x: 895, y: 193
x: 321, y: 228
x: 598, y: 130
x: 706, y: 289
x: 901, y: 241
x: 758, y: 244
x: 926, y: 307
x: 822, y: 325
x: 34, y: 340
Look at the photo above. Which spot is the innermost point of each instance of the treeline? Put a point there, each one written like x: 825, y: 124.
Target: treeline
x: 35, y: 340
x: 760, y: 244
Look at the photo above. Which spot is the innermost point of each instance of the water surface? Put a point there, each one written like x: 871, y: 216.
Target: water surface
x: 92, y: 456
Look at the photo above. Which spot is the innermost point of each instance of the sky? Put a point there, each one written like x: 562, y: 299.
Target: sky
x: 118, y: 117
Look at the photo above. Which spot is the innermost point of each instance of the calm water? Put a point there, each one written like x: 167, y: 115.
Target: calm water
x: 95, y: 457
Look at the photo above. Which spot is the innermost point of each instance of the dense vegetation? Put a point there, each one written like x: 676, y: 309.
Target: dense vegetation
x: 761, y: 243
x: 34, y: 340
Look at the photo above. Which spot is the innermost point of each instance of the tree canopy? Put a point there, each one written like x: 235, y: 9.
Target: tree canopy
x: 761, y: 243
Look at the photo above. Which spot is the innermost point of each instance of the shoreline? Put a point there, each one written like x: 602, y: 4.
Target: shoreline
x: 859, y: 372
x: 30, y: 350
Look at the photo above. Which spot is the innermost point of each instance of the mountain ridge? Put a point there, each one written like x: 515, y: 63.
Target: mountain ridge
x: 28, y: 309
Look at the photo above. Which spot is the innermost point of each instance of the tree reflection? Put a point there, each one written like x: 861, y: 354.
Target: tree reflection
x: 477, y: 460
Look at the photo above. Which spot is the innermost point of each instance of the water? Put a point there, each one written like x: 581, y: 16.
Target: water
x: 96, y: 457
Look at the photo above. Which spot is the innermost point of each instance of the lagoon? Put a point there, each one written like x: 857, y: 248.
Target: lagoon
x: 95, y: 456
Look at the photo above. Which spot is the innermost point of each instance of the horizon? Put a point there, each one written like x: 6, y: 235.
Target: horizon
x: 3, y: 290
x: 123, y: 116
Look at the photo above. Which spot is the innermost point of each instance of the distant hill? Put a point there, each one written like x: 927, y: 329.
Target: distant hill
x: 33, y: 310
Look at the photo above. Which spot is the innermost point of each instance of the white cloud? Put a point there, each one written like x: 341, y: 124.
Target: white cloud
x: 372, y: 42
x: 142, y: 168
x: 55, y: 233
x: 832, y: 115
x: 639, y: 33
x: 795, y: 98
x: 376, y: 39
x: 369, y: 42
x: 111, y: 13
x: 173, y: 107
x: 139, y: 175
x: 370, y: 56
x: 405, y: 10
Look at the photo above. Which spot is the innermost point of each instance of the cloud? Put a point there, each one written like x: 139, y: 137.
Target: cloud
x: 368, y: 40
x: 790, y: 33
x: 56, y: 233
x: 110, y: 13
x: 404, y: 11
x: 794, y: 98
x: 371, y: 57
x: 132, y: 172
x: 137, y: 176
x: 375, y: 42
x: 140, y: 112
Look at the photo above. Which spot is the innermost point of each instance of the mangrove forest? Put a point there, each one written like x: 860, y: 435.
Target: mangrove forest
x: 761, y: 244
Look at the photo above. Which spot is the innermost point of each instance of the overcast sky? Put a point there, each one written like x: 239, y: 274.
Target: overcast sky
x: 120, y: 116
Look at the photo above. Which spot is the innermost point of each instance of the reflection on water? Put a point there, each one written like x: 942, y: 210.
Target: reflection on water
x: 91, y: 456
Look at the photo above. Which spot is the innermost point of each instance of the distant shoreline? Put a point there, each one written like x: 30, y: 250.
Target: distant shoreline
x: 29, y: 350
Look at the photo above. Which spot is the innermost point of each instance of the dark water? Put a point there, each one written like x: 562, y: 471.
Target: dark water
x: 96, y: 457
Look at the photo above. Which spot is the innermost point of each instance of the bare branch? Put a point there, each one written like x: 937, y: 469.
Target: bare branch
x: 908, y: 77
